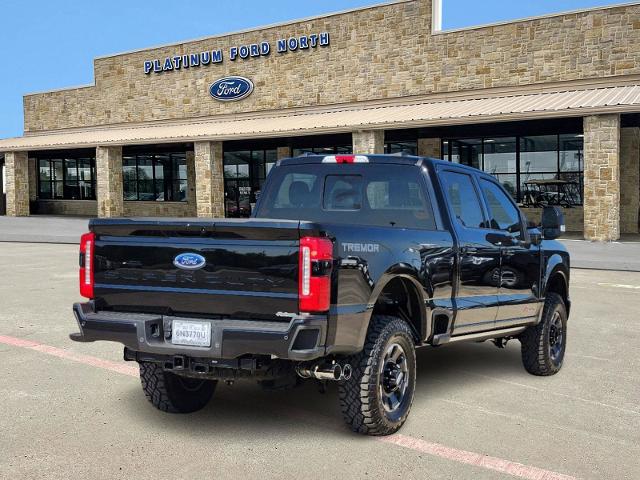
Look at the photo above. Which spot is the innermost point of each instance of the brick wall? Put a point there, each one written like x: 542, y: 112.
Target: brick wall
x: 209, y: 179
x: 429, y: 147
x: 159, y: 209
x: 573, y: 217
x: 83, y: 208
x: 375, y: 53
x: 109, y: 181
x: 368, y: 141
x: 17, y: 173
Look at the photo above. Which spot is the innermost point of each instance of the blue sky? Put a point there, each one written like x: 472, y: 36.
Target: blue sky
x: 49, y: 44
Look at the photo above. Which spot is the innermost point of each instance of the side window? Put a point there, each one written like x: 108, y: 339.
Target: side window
x: 463, y: 199
x: 503, y: 214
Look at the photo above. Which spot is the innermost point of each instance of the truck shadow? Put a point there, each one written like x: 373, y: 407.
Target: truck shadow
x: 248, y: 409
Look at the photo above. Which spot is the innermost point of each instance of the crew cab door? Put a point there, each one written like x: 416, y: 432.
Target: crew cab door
x: 476, y: 300
x: 520, y: 261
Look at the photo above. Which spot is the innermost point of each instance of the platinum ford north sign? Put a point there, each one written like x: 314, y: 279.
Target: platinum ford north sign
x: 243, y: 52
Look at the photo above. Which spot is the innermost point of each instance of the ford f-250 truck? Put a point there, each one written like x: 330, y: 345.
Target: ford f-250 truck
x: 348, y: 264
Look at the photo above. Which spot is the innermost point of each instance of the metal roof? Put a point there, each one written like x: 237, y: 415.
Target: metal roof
x: 575, y: 102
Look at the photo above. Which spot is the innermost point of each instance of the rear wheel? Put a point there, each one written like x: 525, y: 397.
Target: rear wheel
x: 172, y: 393
x: 378, y: 397
x: 543, y: 345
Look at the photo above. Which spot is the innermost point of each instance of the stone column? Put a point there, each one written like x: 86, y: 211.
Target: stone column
x: 209, y: 179
x: 16, y: 166
x: 283, y: 152
x: 629, y: 179
x: 109, y: 182
x: 430, y: 147
x: 368, y: 142
x: 602, y: 177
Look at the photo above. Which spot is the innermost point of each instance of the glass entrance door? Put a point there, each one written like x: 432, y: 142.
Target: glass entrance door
x: 237, y: 198
x: 244, y: 174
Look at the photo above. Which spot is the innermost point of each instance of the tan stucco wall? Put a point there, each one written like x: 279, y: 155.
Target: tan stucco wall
x: 376, y: 53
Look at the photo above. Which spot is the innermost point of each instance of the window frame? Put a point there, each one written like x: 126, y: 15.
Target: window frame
x: 396, y: 147
x: 258, y: 171
x: 63, y: 160
x: 171, y: 181
x: 446, y: 149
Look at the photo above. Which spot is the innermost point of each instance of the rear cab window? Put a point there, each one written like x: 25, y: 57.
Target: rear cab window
x: 377, y: 195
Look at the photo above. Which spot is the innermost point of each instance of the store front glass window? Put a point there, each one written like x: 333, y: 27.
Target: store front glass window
x: 67, y: 177
x: 330, y: 150
x: 466, y: 151
x: 244, y: 174
x: 535, y: 170
x: 155, y: 177
x: 407, y: 147
x: 499, y: 157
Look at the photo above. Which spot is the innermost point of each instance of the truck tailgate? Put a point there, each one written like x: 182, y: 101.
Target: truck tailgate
x: 250, y: 267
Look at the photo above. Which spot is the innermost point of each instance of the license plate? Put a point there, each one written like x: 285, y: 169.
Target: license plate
x: 194, y: 334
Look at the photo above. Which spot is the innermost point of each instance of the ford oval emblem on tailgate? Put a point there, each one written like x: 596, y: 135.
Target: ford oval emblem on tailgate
x: 229, y: 89
x: 189, y: 261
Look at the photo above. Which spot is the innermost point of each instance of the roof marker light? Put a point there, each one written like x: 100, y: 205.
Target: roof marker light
x: 345, y: 159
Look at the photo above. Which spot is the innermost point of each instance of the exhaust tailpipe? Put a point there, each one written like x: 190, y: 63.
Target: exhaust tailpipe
x: 346, y: 372
x: 333, y: 371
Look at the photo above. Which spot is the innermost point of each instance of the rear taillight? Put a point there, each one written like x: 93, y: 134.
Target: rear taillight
x: 314, y: 276
x: 87, y: 245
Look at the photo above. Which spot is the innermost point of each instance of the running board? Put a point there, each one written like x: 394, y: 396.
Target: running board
x: 475, y: 337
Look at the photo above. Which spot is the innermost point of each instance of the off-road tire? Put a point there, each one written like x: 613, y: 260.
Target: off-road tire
x: 174, y: 394
x: 360, y: 397
x: 535, y: 340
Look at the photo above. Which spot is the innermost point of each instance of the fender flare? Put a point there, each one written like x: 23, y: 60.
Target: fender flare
x: 555, y: 266
x: 410, y: 275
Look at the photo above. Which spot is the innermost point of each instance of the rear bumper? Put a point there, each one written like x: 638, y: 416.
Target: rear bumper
x: 230, y: 338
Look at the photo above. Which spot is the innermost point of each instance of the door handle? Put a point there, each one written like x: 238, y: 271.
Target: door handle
x: 468, y: 250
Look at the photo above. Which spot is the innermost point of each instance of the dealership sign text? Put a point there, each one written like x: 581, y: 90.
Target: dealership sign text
x: 243, y: 52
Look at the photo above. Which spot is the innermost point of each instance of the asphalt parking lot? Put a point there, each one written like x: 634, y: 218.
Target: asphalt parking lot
x: 77, y: 411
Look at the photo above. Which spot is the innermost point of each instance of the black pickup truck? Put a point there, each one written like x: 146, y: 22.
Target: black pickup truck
x: 348, y: 264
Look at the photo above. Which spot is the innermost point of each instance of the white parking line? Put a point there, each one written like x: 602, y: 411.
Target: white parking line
x: 619, y: 285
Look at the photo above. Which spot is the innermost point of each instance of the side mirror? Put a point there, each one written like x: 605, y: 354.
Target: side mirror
x: 552, y: 222
x: 535, y: 236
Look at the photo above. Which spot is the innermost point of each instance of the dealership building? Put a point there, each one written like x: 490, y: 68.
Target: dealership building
x: 549, y: 105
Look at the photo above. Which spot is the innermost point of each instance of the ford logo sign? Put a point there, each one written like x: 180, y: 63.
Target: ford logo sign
x: 189, y: 261
x: 229, y: 89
